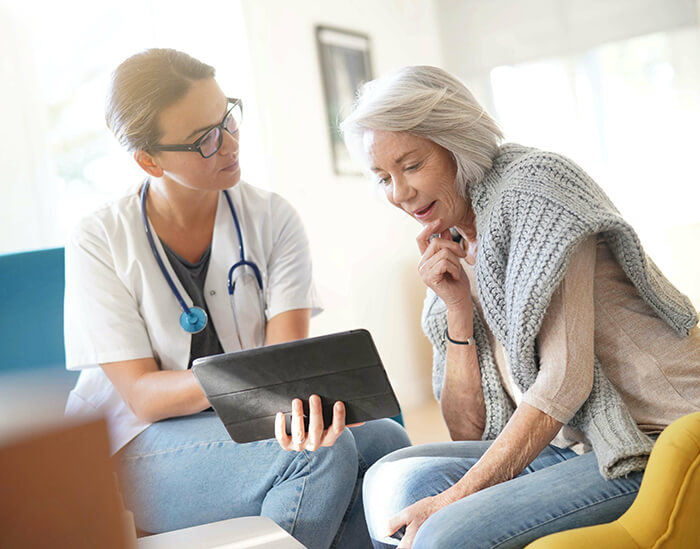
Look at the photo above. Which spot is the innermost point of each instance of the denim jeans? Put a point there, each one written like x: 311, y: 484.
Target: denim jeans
x: 187, y: 471
x: 558, y: 491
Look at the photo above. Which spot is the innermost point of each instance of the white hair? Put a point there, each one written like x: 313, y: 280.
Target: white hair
x: 431, y: 103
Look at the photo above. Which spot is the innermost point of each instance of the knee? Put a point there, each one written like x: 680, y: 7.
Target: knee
x: 468, y: 522
x: 375, y: 439
x: 390, y: 484
x: 341, y: 458
x: 440, y: 530
x: 387, y: 488
x: 393, y: 435
x: 346, y: 445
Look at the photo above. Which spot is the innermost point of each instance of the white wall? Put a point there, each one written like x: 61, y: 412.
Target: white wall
x: 23, y: 167
x: 364, y: 253
x: 479, y: 35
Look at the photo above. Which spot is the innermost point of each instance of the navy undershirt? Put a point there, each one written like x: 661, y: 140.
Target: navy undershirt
x: 192, y: 277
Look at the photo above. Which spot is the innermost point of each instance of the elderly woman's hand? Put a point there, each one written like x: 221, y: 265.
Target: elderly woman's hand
x: 440, y: 266
x: 415, y: 515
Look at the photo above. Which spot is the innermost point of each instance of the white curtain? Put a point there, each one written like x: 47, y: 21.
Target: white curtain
x: 26, y: 213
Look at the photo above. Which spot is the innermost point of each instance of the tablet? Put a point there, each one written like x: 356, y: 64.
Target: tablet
x: 247, y: 388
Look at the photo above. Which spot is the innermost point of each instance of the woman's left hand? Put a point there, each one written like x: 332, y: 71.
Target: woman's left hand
x: 413, y: 516
x: 317, y: 436
x: 440, y: 267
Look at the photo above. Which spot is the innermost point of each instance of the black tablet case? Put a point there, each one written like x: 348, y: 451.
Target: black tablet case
x: 248, y: 388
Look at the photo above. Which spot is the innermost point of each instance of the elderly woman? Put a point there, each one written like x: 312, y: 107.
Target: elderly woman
x: 560, y: 350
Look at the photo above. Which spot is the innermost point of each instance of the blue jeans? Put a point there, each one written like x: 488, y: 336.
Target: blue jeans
x: 187, y: 471
x: 558, y: 491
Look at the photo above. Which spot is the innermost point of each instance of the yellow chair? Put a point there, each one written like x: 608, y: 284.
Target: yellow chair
x: 666, y: 511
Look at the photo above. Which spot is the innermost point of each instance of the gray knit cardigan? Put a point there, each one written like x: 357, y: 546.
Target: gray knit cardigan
x: 532, y: 209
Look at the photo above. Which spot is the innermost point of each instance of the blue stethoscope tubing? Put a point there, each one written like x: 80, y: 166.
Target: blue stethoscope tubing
x: 241, y: 251
x: 194, y: 319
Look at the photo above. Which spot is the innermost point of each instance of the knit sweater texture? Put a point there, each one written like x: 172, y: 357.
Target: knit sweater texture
x: 532, y: 209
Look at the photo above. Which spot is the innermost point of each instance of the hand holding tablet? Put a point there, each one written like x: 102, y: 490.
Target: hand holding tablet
x: 248, y: 389
x: 318, y: 434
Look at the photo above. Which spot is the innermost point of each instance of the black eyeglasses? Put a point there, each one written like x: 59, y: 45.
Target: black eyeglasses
x: 210, y: 143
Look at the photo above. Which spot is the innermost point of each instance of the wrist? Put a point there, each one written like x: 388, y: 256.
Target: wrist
x: 466, y: 486
x: 460, y: 324
x: 469, y: 341
x: 452, y: 494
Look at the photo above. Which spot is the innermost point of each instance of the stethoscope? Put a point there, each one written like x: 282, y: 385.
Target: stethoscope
x: 194, y: 319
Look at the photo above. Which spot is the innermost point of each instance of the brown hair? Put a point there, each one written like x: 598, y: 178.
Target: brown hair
x: 142, y: 86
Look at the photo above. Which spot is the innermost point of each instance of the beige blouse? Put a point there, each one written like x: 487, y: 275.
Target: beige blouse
x: 596, y: 309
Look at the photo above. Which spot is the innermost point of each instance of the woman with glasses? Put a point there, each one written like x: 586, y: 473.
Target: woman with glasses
x: 195, y: 262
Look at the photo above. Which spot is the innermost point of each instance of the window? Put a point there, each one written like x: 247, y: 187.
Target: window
x: 629, y: 113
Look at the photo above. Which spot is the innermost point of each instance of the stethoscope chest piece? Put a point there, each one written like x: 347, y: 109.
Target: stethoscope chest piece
x: 194, y: 320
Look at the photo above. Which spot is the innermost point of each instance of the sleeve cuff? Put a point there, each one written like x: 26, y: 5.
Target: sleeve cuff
x: 560, y: 413
x: 283, y: 306
x: 84, y: 361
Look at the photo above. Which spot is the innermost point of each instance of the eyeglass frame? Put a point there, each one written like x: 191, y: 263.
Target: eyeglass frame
x: 196, y: 146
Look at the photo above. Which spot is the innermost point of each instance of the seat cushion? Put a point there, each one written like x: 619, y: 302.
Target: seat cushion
x: 664, y: 513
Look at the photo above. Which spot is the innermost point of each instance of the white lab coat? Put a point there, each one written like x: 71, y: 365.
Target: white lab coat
x: 118, y: 305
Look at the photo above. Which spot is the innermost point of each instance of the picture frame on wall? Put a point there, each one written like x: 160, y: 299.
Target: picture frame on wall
x: 345, y: 62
